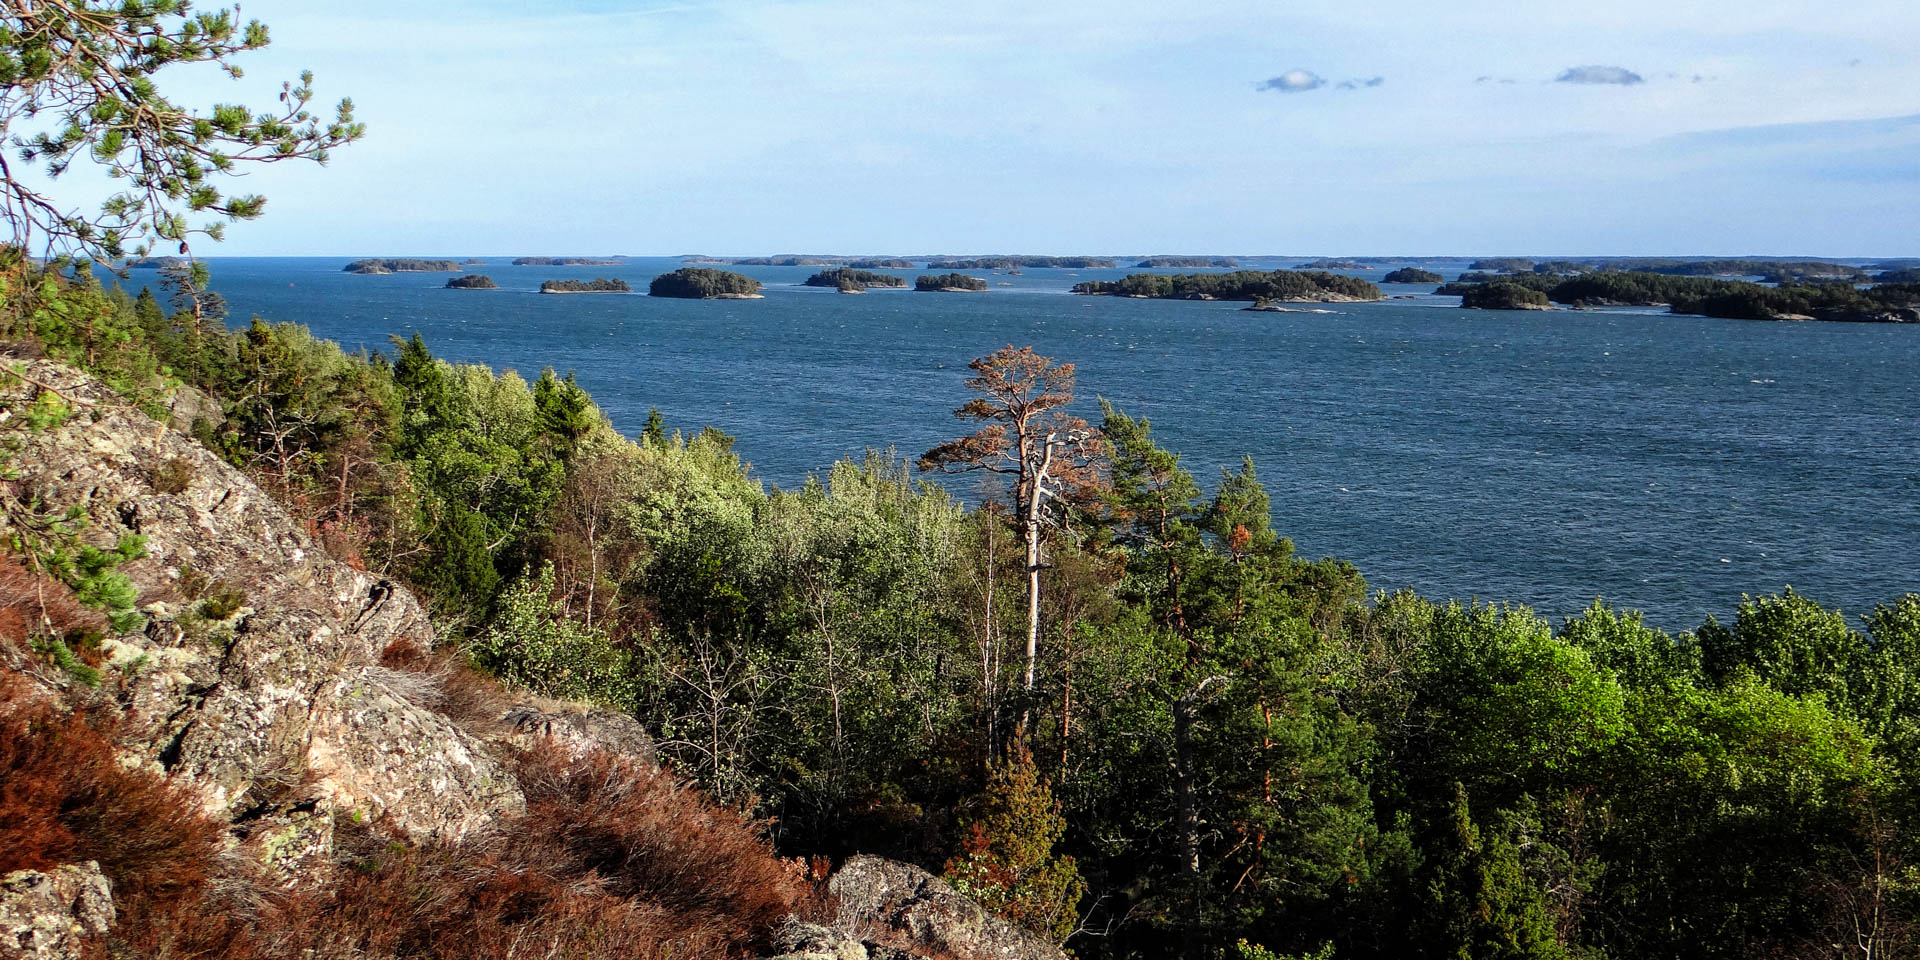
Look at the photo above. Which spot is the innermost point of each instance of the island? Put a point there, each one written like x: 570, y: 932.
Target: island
x: 1287, y: 286
x: 599, y: 285
x: 1501, y: 295
x: 1502, y: 265
x: 1333, y: 265
x: 472, y: 281
x: 567, y: 262
x: 1413, y: 275
x: 883, y: 263
x: 949, y: 283
x: 1898, y: 275
x: 377, y: 266
x: 847, y: 279
x: 1714, y: 297
x: 704, y: 283
x: 1014, y: 263
x: 155, y: 263
x: 785, y: 261
x: 1187, y: 263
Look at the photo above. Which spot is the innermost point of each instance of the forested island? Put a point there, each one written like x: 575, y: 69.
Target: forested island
x: 949, y: 283
x: 1012, y: 263
x: 1186, y: 263
x: 848, y: 278
x: 704, y: 283
x: 154, y: 263
x: 1502, y: 265
x: 379, y: 266
x: 567, y: 262
x: 1332, y: 265
x: 785, y: 261
x: 1277, y: 285
x: 1713, y: 297
x: 599, y: 285
x: 1413, y: 275
x: 1502, y: 295
x: 884, y: 263
x: 472, y: 281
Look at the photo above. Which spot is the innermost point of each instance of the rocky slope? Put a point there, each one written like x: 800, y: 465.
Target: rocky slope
x: 257, y: 679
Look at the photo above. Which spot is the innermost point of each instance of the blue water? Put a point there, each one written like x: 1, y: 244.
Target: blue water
x: 1667, y: 464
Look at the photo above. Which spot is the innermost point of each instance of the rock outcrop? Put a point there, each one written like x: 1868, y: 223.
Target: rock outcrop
x: 49, y: 915
x: 256, y: 678
x: 879, y: 896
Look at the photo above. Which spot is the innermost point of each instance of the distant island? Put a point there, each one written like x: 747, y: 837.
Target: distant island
x: 885, y: 263
x: 471, y: 260
x: 1012, y: 263
x: 1187, y: 263
x: 1900, y: 275
x: 785, y: 261
x: 949, y: 283
x: 1333, y: 265
x: 472, y: 281
x: 566, y: 262
x: 703, y: 283
x: 1502, y: 295
x: 379, y: 266
x: 154, y: 263
x: 1503, y: 265
x: 1413, y: 275
x: 1286, y: 286
x: 847, y: 278
x: 1712, y: 296
x: 600, y: 285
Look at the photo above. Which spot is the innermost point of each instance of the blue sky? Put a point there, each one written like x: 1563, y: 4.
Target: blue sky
x: 608, y: 126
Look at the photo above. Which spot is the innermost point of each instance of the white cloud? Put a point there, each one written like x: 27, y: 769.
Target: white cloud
x: 1294, y: 81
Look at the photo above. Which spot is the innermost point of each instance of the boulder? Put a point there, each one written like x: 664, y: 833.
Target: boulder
x: 888, y: 901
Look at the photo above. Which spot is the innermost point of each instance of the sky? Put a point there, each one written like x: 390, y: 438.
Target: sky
x: 1630, y: 127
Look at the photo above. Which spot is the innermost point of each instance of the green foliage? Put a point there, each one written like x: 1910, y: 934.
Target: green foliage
x: 1006, y: 862
x: 530, y: 642
x: 1413, y: 275
x: 77, y: 82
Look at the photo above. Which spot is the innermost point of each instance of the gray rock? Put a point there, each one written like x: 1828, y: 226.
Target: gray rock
x: 278, y: 714
x: 578, y: 730
x: 887, y: 901
x: 49, y: 916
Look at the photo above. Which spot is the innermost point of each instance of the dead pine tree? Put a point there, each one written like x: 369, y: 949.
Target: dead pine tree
x: 1047, y: 459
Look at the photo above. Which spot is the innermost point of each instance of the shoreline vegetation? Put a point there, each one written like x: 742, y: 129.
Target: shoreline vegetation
x: 568, y: 262
x: 472, y: 281
x: 1413, y: 275
x: 375, y: 266
x: 1282, y: 286
x: 703, y: 283
x: 598, y: 285
x: 949, y: 283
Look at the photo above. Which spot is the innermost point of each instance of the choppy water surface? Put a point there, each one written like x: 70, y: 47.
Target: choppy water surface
x: 1668, y: 464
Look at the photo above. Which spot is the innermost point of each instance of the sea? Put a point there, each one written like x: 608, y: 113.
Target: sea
x: 1664, y: 464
